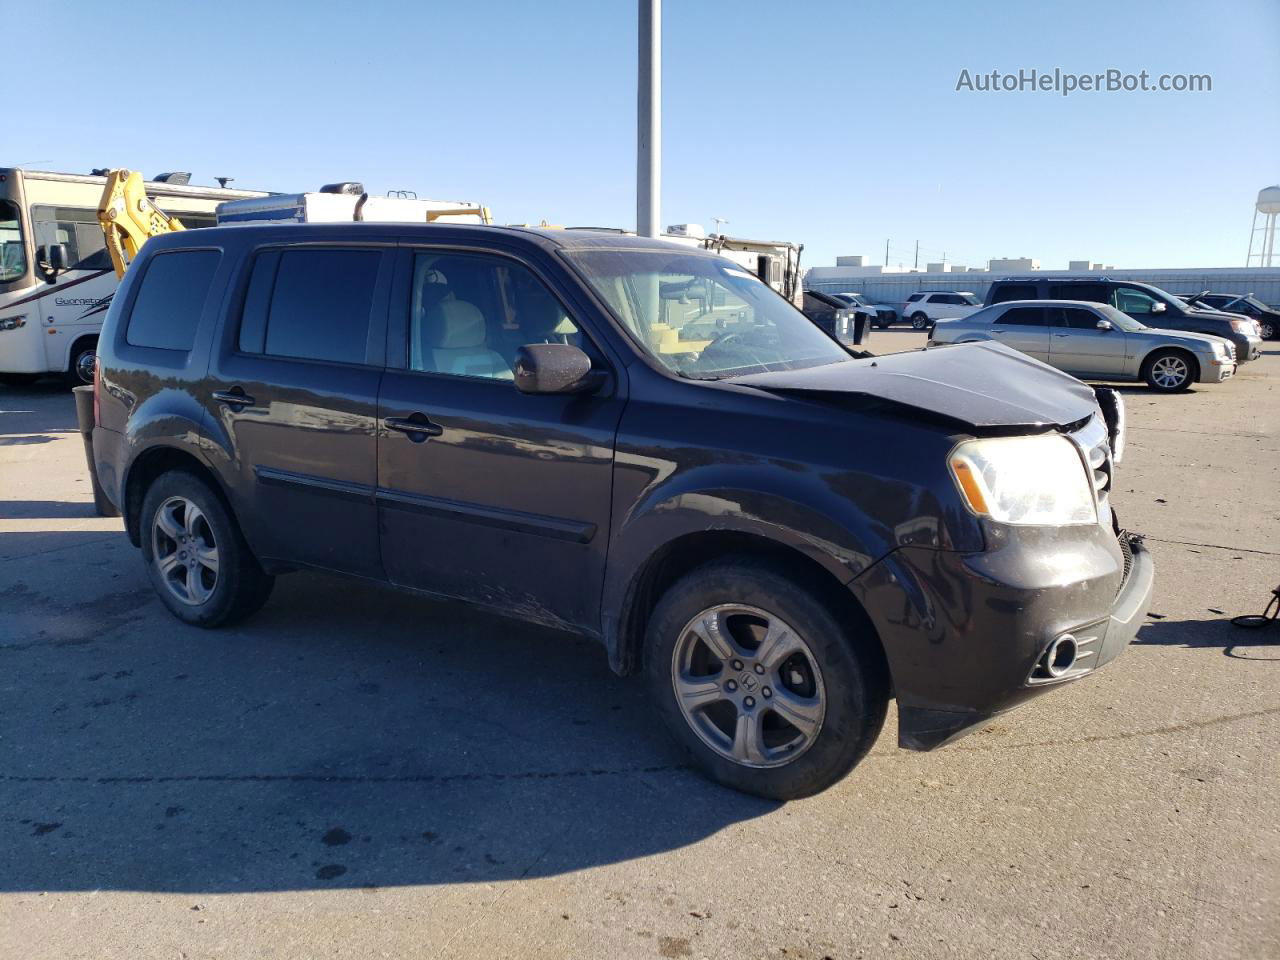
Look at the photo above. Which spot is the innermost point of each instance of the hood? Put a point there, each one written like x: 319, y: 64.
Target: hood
x: 1202, y: 313
x: 979, y: 385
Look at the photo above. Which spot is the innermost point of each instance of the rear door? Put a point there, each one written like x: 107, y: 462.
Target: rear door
x: 294, y: 384
x: 484, y: 493
x: 1079, y: 347
x: 1025, y: 329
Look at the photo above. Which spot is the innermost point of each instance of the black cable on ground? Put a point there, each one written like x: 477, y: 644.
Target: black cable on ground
x: 1268, y: 616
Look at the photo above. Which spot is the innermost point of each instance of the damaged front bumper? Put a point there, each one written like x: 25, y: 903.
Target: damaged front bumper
x: 968, y: 636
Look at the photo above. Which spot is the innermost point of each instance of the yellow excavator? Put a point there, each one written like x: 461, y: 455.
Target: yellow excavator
x: 129, y: 218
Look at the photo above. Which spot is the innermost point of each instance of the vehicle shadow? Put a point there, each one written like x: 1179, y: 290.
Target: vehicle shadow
x: 1237, y: 642
x: 45, y: 509
x: 347, y: 735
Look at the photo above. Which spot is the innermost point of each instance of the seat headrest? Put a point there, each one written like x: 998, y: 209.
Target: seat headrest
x: 454, y: 324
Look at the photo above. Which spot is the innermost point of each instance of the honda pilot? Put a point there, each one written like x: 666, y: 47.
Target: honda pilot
x: 630, y: 440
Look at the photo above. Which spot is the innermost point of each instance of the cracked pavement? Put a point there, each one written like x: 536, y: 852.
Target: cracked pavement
x: 356, y: 772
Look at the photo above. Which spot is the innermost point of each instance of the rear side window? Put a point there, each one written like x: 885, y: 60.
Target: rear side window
x: 1023, y: 317
x: 310, y: 304
x: 169, y: 302
x: 1015, y: 291
x: 914, y: 297
x: 1092, y: 292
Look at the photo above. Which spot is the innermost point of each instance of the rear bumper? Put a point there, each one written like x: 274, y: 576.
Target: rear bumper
x: 84, y: 418
x: 966, y: 635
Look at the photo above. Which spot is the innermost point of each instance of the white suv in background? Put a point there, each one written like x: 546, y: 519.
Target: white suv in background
x: 922, y: 309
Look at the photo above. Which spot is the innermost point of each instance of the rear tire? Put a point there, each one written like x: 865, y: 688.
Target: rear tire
x: 83, y: 359
x: 734, y: 712
x: 919, y: 321
x: 196, y: 557
x: 1170, y: 370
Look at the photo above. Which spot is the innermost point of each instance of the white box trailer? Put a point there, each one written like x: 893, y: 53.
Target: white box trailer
x: 345, y: 202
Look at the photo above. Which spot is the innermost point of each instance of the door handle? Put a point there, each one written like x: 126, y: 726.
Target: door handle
x: 1062, y: 334
x: 418, y: 427
x: 235, y: 397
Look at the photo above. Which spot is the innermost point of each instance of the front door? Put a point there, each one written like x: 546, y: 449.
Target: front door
x: 1025, y: 329
x: 294, y: 386
x: 484, y: 493
x: 1080, y: 348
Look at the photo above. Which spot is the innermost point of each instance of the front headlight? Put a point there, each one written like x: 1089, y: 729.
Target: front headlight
x: 1025, y: 480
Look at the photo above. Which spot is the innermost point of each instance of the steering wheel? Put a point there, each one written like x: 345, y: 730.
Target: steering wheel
x: 725, y: 338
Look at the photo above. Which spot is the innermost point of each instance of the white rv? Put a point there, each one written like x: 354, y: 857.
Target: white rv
x: 49, y: 322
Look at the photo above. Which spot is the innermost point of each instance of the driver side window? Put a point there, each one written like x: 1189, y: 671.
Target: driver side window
x: 470, y: 313
x: 1130, y: 301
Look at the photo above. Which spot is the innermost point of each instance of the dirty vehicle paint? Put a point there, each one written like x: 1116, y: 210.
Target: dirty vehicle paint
x: 578, y: 509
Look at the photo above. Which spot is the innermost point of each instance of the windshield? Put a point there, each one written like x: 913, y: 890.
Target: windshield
x: 970, y: 299
x: 857, y: 298
x: 1121, y: 321
x: 13, y: 253
x: 704, y: 317
x: 1253, y: 302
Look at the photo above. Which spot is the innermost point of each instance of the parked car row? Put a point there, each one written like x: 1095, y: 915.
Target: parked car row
x: 1095, y: 341
x: 1148, y: 305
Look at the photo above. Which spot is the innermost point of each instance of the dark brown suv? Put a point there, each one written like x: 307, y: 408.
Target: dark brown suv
x: 630, y: 440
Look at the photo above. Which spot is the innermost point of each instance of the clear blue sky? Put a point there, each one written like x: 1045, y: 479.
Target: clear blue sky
x: 836, y: 124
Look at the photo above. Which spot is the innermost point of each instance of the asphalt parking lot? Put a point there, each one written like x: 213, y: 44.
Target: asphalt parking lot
x: 360, y: 773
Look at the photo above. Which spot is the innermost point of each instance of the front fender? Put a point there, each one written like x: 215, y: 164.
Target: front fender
x: 809, y: 517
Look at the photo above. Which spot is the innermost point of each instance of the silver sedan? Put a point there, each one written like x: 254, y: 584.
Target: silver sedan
x: 1094, y: 341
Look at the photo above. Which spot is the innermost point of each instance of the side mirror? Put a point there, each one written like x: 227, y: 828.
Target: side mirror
x: 1105, y: 325
x: 54, y: 258
x: 552, y: 368
x: 1158, y: 307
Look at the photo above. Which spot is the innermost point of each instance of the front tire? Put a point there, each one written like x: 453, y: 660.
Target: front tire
x: 1169, y: 371
x: 84, y: 358
x: 1267, y: 329
x: 756, y: 677
x: 919, y: 321
x: 196, y: 557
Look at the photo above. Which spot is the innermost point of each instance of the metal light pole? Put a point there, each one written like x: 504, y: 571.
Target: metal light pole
x: 649, y: 120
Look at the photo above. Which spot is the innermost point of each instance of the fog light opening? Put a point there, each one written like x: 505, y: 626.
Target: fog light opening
x: 1061, y: 656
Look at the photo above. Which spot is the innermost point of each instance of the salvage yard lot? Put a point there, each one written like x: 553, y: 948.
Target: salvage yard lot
x: 356, y: 772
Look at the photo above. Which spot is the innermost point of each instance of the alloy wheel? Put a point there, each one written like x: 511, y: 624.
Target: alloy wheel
x: 748, y: 685
x: 184, y: 551
x: 85, y: 365
x: 1169, y: 373
x: 1266, y: 329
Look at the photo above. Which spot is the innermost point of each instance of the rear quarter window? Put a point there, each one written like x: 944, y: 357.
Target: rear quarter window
x: 170, y: 299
